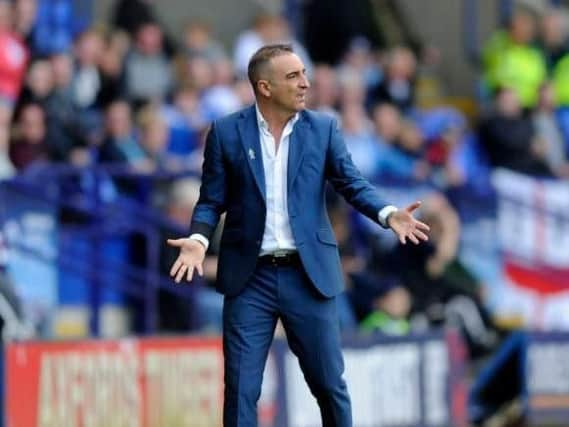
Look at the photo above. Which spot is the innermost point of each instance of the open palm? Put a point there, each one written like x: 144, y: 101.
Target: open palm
x: 405, y: 226
x: 191, y: 256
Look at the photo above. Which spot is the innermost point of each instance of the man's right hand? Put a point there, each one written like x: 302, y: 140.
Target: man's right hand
x: 192, y: 254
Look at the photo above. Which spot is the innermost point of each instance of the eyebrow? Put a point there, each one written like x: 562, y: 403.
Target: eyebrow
x: 294, y: 73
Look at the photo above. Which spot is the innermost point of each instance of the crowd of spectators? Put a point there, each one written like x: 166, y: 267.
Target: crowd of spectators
x: 128, y: 94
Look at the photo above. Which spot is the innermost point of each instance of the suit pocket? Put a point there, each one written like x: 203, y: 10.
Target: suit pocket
x: 326, y: 236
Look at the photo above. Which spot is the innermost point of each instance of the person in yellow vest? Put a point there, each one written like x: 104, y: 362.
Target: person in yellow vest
x: 509, y: 59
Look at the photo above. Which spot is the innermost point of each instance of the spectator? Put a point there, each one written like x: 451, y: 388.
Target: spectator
x: 553, y: 41
x: 443, y: 290
x: 29, y: 144
x: 548, y: 131
x: 204, y: 310
x: 509, y: 137
x: 119, y: 144
x: 357, y: 132
x: 66, y: 137
x: 359, y: 58
x: 509, y: 59
x: 220, y: 98
x: 387, y: 124
x: 352, y: 89
x: 186, y: 122
x: 13, y: 59
x: 148, y: 74
x: 199, y: 42
x: 87, y: 79
x: 390, y: 314
x: 398, y: 85
x: 404, y: 159
x: 323, y: 94
x: 25, y: 15
x: 153, y: 139
x: 111, y: 67
x: 55, y: 28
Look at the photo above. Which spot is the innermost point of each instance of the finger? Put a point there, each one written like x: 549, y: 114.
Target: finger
x: 413, y: 239
x: 199, y: 268
x: 189, y: 274
x: 174, y: 242
x: 422, y: 226
x: 421, y: 235
x: 175, y: 267
x: 402, y: 239
x: 413, y: 206
x: 181, y: 272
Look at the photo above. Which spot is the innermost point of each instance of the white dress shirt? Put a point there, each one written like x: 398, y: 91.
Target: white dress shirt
x: 278, y: 235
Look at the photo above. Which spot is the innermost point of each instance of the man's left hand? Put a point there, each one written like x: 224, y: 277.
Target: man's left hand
x: 405, y: 226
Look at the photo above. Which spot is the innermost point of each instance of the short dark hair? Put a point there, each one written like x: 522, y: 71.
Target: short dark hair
x: 261, y: 58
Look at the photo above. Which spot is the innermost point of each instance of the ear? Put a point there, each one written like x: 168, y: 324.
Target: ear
x: 264, y: 88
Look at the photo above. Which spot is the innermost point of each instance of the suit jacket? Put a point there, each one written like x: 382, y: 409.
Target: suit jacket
x: 233, y: 181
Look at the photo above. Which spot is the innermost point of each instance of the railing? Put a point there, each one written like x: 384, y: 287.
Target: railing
x: 80, y: 193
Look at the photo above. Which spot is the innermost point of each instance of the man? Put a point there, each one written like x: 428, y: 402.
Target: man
x: 267, y: 166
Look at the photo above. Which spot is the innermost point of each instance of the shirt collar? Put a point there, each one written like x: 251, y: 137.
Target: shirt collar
x: 264, y: 125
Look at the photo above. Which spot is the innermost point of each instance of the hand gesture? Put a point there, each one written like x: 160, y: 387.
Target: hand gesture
x: 406, y: 227
x: 192, y: 254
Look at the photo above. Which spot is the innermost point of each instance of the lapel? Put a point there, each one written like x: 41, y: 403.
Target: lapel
x: 249, y: 132
x: 297, y: 143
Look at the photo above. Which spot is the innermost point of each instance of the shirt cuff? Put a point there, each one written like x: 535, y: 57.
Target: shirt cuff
x: 201, y: 238
x: 384, y: 214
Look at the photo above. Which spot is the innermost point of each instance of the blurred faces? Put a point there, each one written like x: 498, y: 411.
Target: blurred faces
x: 200, y: 73
x: 154, y: 135
x: 62, y: 67
x: 508, y: 103
x: 5, y: 15
x: 387, y: 122
x: 411, y: 139
x: 40, y: 78
x: 149, y: 39
x: 554, y: 29
x: 25, y: 15
x: 196, y: 36
x: 324, y: 91
x: 354, y: 119
x: 402, y: 64
x: 119, y: 120
x: 89, y: 48
x: 32, y: 124
x: 546, y: 97
x: 222, y: 71
x: 522, y: 27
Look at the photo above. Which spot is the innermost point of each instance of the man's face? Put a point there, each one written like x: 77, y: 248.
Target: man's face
x: 287, y: 82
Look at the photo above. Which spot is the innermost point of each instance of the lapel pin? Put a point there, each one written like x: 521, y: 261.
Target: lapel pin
x: 251, y: 154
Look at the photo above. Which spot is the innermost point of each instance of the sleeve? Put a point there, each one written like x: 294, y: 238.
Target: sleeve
x: 347, y: 179
x: 211, y: 203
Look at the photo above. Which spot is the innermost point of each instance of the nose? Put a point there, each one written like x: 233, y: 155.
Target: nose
x: 304, y: 83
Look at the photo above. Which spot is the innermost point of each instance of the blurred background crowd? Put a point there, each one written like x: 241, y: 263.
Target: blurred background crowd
x: 131, y: 97
x: 104, y: 116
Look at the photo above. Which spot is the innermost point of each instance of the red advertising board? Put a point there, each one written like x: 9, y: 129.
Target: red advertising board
x: 138, y: 382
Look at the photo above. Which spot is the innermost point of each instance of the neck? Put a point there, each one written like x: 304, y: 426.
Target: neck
x: 277, y: 119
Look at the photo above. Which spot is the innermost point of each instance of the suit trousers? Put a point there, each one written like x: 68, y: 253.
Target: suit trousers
x: 312, y: 329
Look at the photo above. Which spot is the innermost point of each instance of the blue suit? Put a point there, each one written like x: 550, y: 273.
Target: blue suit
x: 256, y: 296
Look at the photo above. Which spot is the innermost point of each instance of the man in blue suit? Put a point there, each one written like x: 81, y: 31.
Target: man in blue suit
x: 266, y: 167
